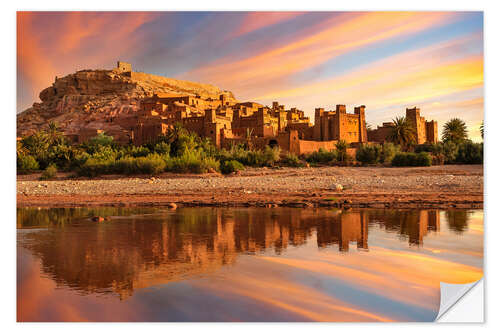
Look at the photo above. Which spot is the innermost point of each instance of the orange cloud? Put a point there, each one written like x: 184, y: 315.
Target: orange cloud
x: 30, y: 59
x: 257, y: 20
x: 81, y: 25
x: 387, y: 274
x: 297, y: 299
x: 388, y: 71
x: 44, y: 52
x: 448, y: 78
x: 417, y: 77
x: 337, y: 36
x: 405, y: 277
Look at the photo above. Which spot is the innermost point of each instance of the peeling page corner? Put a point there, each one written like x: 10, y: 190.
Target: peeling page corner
x: 461, y: 302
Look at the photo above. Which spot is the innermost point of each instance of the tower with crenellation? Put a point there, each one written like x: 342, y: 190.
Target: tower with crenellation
x: 124, y: 68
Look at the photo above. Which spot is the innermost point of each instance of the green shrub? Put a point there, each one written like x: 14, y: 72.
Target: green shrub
x: 369, y: 154
x: 79, y: 159
x: 184, y: 142
x: 231, y: 166
x: 209, y: 163
x: 101, y: 140
x: 192, y: 161
x: 321, y: 156
x: 412, y: 159
x: 427, y: 147
x: 37, y: 144
x: 271, y: 155
x: 400, y: 160
x: 254, y: 158
x: 441, y: 152
x: 207, y: 147
x: 292, y: 160
x: 237, y: 153
x: 257, y: 158
x: 26, y: 163
x: 162, y: 148
x: 104, y: 153
x: 139, y: 151
x: 389, y: 150
x: 470, y: 153
x: 126, y: 165
x: 449, y: 150
x: 423, y: 159
x: 185, y: 163
x: 151, y: 164
x: 260, y: 158
x: 61, y: 155
x: 437, y: 159
x: 49, y: 173
x: 94, y: 167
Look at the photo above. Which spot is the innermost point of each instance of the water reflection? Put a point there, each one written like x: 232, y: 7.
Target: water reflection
x: 412, y: 224
x: 140, y: 248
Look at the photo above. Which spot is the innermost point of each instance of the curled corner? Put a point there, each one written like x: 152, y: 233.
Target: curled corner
x: 451, y: 295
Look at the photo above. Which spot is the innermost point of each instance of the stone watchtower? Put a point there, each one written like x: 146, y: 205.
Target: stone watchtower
x: 124, y: 68
x: 413, y: 116
x: 360, y: 111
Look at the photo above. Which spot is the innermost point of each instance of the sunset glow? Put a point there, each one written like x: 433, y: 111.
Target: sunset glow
x: 385, y: 60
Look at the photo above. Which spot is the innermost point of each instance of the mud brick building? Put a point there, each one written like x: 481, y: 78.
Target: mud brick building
x: 339, y: 125
x: 249, y: 123
x: 425, y: 131
x: 216, y: 114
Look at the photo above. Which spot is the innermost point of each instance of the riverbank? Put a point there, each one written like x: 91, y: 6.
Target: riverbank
x: 447, y: 186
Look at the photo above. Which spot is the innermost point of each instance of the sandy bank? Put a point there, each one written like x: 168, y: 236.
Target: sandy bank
x: 447, y: 186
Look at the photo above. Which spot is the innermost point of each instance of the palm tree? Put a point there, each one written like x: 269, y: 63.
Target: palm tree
x: 481, y: 128
x: 454, y: 130
x: 55, y: 135
x: 174, y: 133
x: 403, y: 132
x: 249, y: 134
x: 341, y: 147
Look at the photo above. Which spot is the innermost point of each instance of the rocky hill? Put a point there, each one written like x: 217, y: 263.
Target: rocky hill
x: 86, y: 98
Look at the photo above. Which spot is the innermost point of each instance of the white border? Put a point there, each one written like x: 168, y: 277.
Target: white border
x: 492, y: 160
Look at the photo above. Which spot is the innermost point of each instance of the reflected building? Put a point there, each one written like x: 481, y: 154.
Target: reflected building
x: 349, y: 227
x: 411, y: 224
x: 143, y: 250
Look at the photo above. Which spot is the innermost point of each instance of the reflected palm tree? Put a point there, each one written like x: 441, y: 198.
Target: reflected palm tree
x: 458, y: 220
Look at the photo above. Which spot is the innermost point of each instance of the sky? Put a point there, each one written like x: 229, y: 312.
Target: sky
x: 387, y: 61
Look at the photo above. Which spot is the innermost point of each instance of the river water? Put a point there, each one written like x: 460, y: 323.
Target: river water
x: 242, y: 264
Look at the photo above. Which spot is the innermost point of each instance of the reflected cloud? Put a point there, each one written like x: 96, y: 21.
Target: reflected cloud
x: 300, y: 263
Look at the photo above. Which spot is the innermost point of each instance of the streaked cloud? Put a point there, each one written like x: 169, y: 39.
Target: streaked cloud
x: 385, y: 60
x: 335, y: 37
x: 57, y: 43
x: 257, y: 20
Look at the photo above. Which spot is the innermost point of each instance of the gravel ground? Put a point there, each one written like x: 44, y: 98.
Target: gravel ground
x: 449, y: 178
